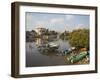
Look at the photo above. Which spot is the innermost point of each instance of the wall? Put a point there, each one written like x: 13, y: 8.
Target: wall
x: 5, y: 40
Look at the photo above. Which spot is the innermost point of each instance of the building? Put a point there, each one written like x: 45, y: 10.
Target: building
x: 41, y: 30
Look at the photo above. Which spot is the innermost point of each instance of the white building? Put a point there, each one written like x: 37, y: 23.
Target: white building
x: 40, y: 30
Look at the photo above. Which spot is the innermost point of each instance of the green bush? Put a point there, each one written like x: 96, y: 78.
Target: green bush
x: 79, y: 38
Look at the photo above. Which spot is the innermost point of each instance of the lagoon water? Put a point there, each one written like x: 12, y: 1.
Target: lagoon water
x: 34, y: 57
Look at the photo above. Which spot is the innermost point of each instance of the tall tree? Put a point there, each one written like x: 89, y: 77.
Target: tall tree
x: 79, y: 38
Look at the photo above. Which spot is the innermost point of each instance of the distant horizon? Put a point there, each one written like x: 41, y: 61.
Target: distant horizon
x: 57, y: 22
x: 59, y: 31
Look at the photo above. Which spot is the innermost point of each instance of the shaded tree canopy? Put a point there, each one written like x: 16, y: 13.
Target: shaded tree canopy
x: 79, y: 38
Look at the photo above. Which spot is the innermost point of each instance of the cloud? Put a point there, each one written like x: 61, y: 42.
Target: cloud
x: 29, y: 18
x: 81, y: 26
x: 29, y: 21
x: 69, y: 17
x: 57, y: 21
x: 69, y: 27
x: 40, y: 24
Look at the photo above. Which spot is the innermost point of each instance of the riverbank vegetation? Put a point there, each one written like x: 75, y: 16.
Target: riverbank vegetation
x: 78, y: 38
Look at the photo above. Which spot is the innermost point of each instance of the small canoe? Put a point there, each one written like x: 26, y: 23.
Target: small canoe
x: 79, y: 57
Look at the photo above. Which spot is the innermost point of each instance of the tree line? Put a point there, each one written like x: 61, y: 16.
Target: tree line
x: 78, y: 38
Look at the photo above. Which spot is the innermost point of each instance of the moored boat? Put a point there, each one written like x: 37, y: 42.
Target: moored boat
x: 67, y: 51
x: 76, y: 58
x: 53, y: 45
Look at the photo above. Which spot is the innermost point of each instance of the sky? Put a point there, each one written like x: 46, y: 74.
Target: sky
x: 56, y: 21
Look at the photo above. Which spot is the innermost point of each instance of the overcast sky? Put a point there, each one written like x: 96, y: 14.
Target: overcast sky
x: 57, y: 22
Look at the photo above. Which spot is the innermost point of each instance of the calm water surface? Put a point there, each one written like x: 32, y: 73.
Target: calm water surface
x: 34, y: 57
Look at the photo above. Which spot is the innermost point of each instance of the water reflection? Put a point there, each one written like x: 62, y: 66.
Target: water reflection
x: 46, y: 52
